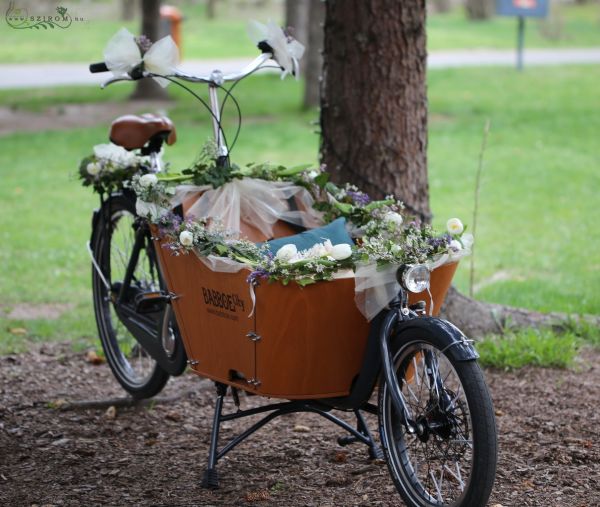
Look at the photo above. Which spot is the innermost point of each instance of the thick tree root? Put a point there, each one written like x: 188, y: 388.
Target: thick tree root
x: 476, y: 318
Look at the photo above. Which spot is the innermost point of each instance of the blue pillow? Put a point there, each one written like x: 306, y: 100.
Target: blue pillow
x: 335, y: 232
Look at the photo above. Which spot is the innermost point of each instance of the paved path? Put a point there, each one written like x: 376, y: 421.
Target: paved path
x: 53, y: 74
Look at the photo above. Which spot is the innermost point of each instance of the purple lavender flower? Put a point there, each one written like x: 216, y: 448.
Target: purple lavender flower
x: 359, y: 198
x: 256, y: 276
x: 143, y: 43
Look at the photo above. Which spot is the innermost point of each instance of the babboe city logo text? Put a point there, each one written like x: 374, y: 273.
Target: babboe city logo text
x: 22, y: 19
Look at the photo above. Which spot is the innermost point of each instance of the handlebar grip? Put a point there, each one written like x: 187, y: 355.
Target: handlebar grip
x: 98, y: 67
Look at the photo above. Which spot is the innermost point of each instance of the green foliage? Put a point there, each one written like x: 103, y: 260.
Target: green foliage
x: 532, y: 347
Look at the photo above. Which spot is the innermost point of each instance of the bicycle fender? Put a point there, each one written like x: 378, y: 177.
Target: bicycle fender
x: 453, y: 342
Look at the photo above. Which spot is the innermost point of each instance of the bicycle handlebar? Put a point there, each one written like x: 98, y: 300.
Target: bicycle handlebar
x: 216, y: 77
x: 98, y: 67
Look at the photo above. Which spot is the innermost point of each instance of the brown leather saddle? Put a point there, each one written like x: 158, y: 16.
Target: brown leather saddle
x: 136, y: 131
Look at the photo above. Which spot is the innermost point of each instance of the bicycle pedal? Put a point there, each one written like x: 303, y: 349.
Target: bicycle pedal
x: 151, y: 302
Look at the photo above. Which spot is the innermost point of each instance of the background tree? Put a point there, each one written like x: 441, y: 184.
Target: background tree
x: 314, y: 53
x: 296, y: 18
x: 479, y: 9
x: 148, y: 89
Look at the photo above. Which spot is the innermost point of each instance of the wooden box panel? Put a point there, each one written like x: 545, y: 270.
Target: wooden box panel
x: 312, y: 339
x: 212, y: 313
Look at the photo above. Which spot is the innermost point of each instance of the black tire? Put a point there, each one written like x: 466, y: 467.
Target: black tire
x: 452, y: 460
x: 138, y: 373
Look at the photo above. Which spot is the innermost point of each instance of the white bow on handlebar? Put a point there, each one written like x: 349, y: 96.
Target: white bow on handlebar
x: 122, y: 54
x: 287, y: 51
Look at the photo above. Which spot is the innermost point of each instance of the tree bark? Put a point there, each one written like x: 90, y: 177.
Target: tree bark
x: 478, y: 10
x: 374, y: 103
x: 314, y: 54
x: 148, y: 89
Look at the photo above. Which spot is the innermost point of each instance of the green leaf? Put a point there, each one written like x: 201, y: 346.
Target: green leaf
x: 303, y: 282
x: 322, y: 179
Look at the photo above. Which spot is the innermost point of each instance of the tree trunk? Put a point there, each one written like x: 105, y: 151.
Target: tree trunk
x: 210, y: 9
x: 148, y: 89
x: 478, y: 10
x: 296, y: 22
x: 127, y: 9
x: 314, y: 54
x: 374, y: 103
x: 442, y: 6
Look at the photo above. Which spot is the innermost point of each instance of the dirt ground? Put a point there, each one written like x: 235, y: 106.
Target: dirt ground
x: 155, y: 454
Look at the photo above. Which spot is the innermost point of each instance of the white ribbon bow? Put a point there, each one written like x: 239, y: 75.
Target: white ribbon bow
x: 122, y: 54
x: 286, y: 50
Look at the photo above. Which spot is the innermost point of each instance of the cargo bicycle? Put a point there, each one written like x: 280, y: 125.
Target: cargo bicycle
x: 308, y: 347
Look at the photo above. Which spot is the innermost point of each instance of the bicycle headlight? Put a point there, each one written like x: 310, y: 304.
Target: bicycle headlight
x: 415, y: 278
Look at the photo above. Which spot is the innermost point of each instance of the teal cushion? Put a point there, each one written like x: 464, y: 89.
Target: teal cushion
x: 335, y: 232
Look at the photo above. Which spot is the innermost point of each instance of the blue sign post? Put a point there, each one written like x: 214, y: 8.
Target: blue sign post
x: 522, y: 9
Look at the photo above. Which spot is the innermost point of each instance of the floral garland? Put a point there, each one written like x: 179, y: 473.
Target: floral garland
x: 110, y: 167
x: 384, y: 235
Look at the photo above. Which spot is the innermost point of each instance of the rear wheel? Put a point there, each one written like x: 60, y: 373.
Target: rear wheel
x: 114, y: 237
x: 451, y: 459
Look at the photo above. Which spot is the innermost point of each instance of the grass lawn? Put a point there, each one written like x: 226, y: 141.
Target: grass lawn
x: 537, y: 237
x: 225, y: 36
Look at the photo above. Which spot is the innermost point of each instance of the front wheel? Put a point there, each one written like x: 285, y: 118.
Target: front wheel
x: 450, y: 460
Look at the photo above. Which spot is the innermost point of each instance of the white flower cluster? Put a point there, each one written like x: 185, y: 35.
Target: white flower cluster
x: 326, y: 250
x: 461, y: 244
x: 110, y: 157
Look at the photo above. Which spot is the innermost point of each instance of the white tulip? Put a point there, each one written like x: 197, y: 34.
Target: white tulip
x: 186, y: 238
x: 393, y: 218
x: 148, y: 180
x: 454, y: 226
x: 341, y: 251
x: 286, y: 252
x: 93, y: 168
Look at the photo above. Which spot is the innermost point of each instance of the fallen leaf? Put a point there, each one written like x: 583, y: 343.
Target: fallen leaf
x: 173, y: 415
x: 499, y: 413
x: 57, y: 403
x: 340, y: 457
x: 299, y: 428
x: 111, y: 412
x: 18, y: 331
x: 257, y: 496
x: 93, y: 358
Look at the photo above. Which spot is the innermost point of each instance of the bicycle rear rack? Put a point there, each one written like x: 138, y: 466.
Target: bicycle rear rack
x: 359, y: 434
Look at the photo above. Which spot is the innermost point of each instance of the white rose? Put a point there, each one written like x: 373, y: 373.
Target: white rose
x: 341, y: 251
x: 467, y: 241
x: 93, y: 168
x: 148, y: 180
x: 186, y: 238
x: 454, y: 226
x: 286, y: 252
x: 455, y: 245
x: 393, y: 218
